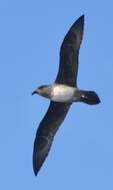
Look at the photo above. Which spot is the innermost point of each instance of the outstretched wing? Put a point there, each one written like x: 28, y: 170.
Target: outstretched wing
x: 46, y: 131
x: 69, y: 53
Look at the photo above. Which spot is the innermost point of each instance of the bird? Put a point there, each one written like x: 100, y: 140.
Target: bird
x: 62, y: 93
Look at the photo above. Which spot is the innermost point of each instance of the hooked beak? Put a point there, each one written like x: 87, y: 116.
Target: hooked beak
x: 34, y: 92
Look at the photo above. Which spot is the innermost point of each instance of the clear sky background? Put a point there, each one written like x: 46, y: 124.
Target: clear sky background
x: 31, y: 33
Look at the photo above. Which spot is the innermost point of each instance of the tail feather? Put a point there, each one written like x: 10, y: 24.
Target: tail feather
x: 89, y: 97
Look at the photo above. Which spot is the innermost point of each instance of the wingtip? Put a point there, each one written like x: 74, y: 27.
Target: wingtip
x: 81, y: 18
x: 35, y: 169
x: 35, y: 172
x: 82, y: 15
x: 79, y: 23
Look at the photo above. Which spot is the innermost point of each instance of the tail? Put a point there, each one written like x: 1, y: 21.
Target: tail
x: 89, y: 97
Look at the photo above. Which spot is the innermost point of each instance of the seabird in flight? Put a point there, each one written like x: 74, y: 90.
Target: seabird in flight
x: 62, y: 93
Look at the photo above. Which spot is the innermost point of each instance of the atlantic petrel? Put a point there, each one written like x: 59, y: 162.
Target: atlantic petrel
x: 62, y: 93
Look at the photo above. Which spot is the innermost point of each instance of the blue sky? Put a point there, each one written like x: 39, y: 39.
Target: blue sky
x: 31, y: 33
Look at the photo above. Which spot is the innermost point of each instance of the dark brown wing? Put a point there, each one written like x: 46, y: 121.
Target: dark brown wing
x: 69, y: 53
x: 46, y: 131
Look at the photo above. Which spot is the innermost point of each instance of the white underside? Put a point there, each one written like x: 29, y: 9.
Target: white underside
x: 62, y: 93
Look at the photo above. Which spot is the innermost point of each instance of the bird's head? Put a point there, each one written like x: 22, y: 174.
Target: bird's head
x: 43, y: 90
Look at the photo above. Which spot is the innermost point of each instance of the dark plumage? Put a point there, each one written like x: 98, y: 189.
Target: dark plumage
x: 46, y: 131
x: 69, y: 52
x: 62, y: 94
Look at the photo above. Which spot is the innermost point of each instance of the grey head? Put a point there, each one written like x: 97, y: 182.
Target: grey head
x: 43, y: 90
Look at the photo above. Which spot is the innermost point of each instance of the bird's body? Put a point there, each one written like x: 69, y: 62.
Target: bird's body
x: 66, y: 94
x: 62, y: 93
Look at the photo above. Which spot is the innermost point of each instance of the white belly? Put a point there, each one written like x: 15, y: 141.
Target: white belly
x: 62, y: 93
